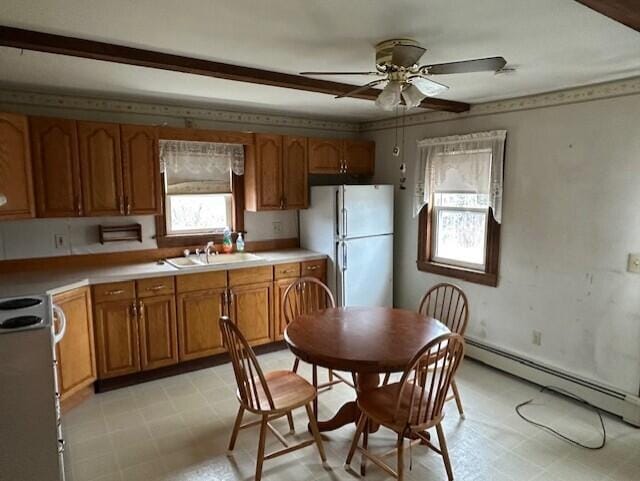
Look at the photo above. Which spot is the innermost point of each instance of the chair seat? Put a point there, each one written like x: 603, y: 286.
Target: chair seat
x: 380, y: 405
x: 288, y: 391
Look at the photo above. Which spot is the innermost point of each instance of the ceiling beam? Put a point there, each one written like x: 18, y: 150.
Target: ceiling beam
x: 626, y: 12
x: 78, y: 47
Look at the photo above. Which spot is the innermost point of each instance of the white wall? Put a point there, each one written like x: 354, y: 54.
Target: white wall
x: 35, y: 238
x: 571, y: 217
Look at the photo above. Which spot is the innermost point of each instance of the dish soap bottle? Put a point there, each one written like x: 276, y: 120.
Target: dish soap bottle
x: 227, y: 245
x: 240, y: 243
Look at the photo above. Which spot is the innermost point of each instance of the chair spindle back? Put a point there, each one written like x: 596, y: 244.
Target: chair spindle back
x: 448, y: 304
x: 304, y: 296
x: 252, y: 385
x: 425, y: 388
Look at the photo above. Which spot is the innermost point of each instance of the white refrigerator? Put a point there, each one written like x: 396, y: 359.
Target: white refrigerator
x: 353, y: 226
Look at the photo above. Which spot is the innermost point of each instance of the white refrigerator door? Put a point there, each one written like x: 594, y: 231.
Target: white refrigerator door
x: 365, y: 275
x: 365, y: 210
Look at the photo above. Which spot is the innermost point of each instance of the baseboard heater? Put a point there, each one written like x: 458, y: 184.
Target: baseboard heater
x: 624, y: 405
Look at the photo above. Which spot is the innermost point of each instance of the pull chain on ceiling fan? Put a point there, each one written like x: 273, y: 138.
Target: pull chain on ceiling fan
x: 406, y: 81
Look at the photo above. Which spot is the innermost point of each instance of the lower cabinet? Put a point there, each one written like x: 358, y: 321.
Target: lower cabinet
x: 251, y: 309
x: 198, y: 331
x: 75, y: 352
x: 158, y: 332
x: 280, y: 322
x: 117, y: 342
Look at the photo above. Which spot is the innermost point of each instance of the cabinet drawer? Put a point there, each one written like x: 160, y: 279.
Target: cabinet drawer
x: 317, y: 269
x: 114, y: 291
x: 283, y: 271
x: 201, y: 281
x: 252, y: 275
x: 155, y: 287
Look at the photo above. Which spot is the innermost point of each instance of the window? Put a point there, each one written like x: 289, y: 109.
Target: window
x: 459, y: 203
x: 203, y: 191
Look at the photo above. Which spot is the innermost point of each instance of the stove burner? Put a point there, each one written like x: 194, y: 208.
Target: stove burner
x: 19, y: 322
x: 21, y: 303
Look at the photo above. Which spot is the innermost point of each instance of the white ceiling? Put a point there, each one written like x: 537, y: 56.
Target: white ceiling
x: 554, y: 44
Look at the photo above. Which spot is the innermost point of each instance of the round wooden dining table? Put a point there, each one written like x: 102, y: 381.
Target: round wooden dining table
x: 365, y: 341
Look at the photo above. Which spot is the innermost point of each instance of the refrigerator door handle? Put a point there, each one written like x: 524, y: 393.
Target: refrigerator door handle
x: 344, y: 256
x: 344, y: 222
x: 62, y: 319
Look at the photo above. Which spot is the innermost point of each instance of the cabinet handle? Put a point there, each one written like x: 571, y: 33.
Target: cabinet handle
x: 78, y: 205
x: 157, y: 287
x: 281, y: 202
x: 120, y: 204
x: 141, y: 310
x: 312, y: 268
x: 128, y: 205
x: 114, y: 292
x: 134, y: 310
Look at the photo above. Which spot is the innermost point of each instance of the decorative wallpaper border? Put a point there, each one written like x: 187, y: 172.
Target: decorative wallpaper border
x: 616, y: 88
x: 17, y: 97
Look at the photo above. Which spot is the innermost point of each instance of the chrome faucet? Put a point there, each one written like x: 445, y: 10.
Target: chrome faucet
x: 208, y: 250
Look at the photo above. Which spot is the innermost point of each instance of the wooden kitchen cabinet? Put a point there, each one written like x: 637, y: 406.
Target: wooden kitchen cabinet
x: 56, y: 167
x: 198, y: 329
x: 158, y: 331
x: 76, y: 352
x: 325, y: 156
x: 276, y: 174
x: 359, y: 156
x: 251, y: 309
x: 101, y: 168
x: 116, y: 333
x: 141, y: 169
x: 16, y: 187
x: 280, y: 323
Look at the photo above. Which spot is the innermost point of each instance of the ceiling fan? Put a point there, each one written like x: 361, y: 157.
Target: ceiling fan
x: 407, y: 81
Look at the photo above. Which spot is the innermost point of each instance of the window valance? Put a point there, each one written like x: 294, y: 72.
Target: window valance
x: 471, y: 163
x: 200, y: 167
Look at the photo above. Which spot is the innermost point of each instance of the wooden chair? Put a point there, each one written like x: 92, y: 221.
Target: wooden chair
x: 304, y: 296
x: 412, y: 405
x: 271, y: 395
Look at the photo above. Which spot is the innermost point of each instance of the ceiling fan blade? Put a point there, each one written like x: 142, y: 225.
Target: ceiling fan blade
x: 341, y: 73
x: 360, y: 89
x: 490, y: 64
x: 428, y: 87
x: 406, y: 55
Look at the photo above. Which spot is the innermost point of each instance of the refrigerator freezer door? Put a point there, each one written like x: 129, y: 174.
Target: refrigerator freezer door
x: 365, y: 210
x: 365, y: 275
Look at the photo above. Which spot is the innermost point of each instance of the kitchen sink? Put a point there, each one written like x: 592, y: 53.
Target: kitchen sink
x: 193, y: 261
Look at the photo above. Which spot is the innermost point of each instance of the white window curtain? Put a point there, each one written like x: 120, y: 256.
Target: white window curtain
x: 461, y: 163
x: 200, y: 167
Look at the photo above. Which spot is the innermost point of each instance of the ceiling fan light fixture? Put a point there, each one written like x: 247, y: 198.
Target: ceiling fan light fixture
x: 412, y: 96
x: 390, y: 96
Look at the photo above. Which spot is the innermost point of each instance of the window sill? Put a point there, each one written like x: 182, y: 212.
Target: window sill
x: 469, y: 275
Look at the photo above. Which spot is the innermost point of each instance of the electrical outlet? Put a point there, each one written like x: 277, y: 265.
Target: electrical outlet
x: 60, y: 241
x: 634, y: 263
x: 536, y: 338
x: 277, y: 227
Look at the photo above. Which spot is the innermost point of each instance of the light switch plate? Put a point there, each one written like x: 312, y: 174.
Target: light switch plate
x: 634, y: 263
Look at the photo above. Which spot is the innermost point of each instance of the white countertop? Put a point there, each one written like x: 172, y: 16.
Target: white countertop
x: 55, y: 282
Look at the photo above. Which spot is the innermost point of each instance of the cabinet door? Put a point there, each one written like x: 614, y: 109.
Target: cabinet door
x: 101, y: 168
x: 117, y: 345
x: 76, y: 352
x: 325, y: 156
x: 251, y: 308
x: 359, y: 156
x: 198, y: 330
x: 158, y: 332
x: 141, y: 169
x: 56, y: 167
x: 280, y: 323
x: 295, y: 172
x: 16, y: 188
x: 269, y: 172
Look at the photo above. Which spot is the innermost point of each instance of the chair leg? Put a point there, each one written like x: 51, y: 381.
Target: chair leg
x: 316, y: 433
x: 296, y: 363
x: 356, y: 437
x: 445, y: 453
x: 236, y: 428
x: 456, y: 395
x: 292, y: 427
x: 315, y: 384
x: 365, y: 445
x: 385, y: 381
x: 261, y: 443
x: 330, y: 377
x: 400, y: 457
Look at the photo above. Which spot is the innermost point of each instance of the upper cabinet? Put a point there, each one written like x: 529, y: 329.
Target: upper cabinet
x: 276, y: 173
x: 331, y: 156
x: 16, y: 188
x: 56, y: 167
x: 141, y: 169
x: 101, y: 167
